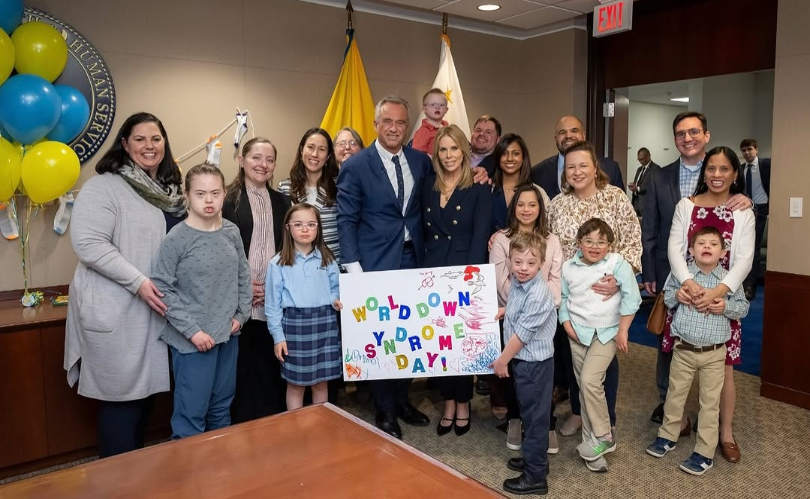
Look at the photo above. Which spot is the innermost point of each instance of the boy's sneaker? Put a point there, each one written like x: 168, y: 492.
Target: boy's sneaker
x: 660, y: 447
x: 514, y: 435
x: 598, y: 466
x: 697, y: 464
x: 553, y: 444
x: 590, y: 452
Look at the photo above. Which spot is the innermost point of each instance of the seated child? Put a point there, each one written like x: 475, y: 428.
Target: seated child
x: 434, y: 105
x: 528, y: 332
x: 596, y: 328
x: 700, y: 347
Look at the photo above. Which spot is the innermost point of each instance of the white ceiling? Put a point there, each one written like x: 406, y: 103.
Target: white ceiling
x: 520, y: 19
x: 660, y: 93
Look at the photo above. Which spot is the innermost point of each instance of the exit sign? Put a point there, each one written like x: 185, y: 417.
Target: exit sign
x: 612, y: 17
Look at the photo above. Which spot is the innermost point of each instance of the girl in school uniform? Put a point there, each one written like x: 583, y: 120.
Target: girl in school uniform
x: 203, y: 273
x: 301, y: 304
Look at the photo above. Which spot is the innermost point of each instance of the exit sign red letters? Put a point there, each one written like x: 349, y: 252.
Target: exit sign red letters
x: 612, y: 17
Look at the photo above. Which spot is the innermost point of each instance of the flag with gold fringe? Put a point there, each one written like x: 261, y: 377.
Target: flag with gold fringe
x: 351, y: 103
x: 447, y: 81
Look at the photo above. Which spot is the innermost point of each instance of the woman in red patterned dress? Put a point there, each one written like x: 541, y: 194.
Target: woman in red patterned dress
x: 720, y: 178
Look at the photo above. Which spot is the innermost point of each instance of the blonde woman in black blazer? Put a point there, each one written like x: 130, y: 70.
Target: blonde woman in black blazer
x: 456, y: 214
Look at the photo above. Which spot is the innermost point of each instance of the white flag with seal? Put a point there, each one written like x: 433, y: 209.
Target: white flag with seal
x: 447, y: 81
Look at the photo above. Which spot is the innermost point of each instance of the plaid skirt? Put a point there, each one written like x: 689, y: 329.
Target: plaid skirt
x: 313, y: 346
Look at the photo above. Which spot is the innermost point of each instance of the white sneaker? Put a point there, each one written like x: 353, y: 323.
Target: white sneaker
x: 514, y: 434
x: 553, y: 444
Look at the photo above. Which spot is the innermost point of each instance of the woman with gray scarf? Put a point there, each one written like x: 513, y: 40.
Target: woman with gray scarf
x: 116, y: 314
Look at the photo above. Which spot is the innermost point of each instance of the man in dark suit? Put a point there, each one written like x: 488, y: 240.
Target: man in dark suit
x: 548, y: 173
x: 485, y: 135
x: 666, y: 186
x: 758, y: 188
x: 380, y: 228
x: 637, y: 185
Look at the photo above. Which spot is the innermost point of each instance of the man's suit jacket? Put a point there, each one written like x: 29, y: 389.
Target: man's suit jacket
x: 371, y: 227
x: 544, y: 174
x: 242, y: 216
x: 641, y: 187
x: 488, y: 164
x: 765, y: 174
x: 663, y: 193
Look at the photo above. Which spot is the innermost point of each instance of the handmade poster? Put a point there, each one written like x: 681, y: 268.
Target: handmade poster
x: 419, y: 323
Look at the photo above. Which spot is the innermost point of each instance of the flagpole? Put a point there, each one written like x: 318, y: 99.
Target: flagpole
x: 350, y: 9
x: 444, y: 23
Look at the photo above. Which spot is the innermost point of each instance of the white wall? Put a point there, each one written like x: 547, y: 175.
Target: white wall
x: 650, y: 126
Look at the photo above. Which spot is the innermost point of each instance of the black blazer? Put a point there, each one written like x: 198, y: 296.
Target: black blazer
x: 663, y: 193
x: 243, y: 217
x: 488, y: 164
x: 544, y: 174
x: 458, y: 233
x: 642, y: 186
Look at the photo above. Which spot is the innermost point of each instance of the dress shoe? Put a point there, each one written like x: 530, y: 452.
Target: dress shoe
x: 482, y: 386
x: 730, y: 451
x: 523, y: 485
x: 658, y: 414
x: 462, y: 429
x: 411, y: 415
x: 387, y: 422
x: 444, y: 430
x: 687, y: 430
x: 516, y: 464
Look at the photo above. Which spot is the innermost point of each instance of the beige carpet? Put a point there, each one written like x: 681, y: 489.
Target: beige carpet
x: 774, y: 439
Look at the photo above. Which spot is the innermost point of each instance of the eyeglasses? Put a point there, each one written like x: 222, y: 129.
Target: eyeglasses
x: 595, y: 244
x: 435, y: 104
x: 302, y: 225
x: 346, y: 143
x: 693, y: 132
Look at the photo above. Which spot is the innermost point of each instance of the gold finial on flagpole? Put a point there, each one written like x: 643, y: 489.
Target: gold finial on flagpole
x: 349, y: 9
x: 444, y: 23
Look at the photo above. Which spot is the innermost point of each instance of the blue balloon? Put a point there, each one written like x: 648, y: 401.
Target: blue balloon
x: 75, y: 113
x: 29, y: 107
x: 11, y: 13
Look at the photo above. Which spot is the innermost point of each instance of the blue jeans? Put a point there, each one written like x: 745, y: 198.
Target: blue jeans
x: 204, y: 385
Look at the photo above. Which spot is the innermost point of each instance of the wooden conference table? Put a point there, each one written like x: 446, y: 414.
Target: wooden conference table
x: 316, y: 452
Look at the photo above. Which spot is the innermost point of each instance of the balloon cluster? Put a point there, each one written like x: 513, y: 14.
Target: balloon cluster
x: 40, y: 118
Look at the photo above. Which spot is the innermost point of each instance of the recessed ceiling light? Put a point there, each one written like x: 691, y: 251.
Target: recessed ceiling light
x: 488, y: 7
x: 680, y: 99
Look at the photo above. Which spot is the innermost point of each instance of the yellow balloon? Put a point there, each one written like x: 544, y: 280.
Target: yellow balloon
x: 49, y: 170
x: 9, y: 170
x: 40, y: 50
x: 6, y: 56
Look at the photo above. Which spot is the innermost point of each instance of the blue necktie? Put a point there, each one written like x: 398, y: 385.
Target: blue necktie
x: 400, y: 182
x: 749, y: 182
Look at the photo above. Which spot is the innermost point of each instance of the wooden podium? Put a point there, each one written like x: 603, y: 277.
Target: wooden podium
x: 316, y: 452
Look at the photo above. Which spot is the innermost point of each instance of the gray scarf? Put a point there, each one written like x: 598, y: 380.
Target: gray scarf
x: 166, y: 197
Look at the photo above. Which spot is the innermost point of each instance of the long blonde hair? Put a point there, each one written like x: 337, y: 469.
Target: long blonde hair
x: 457, y: 136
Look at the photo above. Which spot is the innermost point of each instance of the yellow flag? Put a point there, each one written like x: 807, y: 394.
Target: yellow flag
x: 351, y: 103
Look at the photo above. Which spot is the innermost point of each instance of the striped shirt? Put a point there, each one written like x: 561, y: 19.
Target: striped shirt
x: 262, y: 244
x: 328, y: 216
x: 696, y: 327
x: 689, y: 178
x: 531, y: 315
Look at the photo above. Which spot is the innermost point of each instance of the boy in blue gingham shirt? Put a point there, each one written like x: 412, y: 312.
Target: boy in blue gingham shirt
x: 700, y: 338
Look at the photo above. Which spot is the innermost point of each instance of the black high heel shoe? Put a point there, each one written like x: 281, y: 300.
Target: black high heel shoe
x: 461, y: 430
x: 444, y: 430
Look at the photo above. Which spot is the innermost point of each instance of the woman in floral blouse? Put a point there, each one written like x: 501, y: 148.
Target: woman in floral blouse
x: 586, y: 193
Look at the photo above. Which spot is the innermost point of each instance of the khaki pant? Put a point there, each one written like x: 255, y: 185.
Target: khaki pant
x: 711, y: 367
x: 590, y: 364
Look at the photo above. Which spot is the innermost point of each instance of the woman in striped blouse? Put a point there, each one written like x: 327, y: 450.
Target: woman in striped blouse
x: 312, y: 180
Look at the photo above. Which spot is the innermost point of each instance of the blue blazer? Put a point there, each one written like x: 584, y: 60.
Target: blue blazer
x: 371, y: 227
x: 458, y: 233
x: 765, y: 174
x: 544, y: 174
x: 662, y: 194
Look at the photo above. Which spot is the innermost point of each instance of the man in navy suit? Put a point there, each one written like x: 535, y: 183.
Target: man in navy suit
x: 758, y: 188
x: 548, y: 173
x: 665, y: 187
x: 379, y: 221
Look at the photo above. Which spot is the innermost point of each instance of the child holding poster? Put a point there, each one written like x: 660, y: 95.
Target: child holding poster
x: 596, y: 328
x: 301, y: 300
x: 528, y: 330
